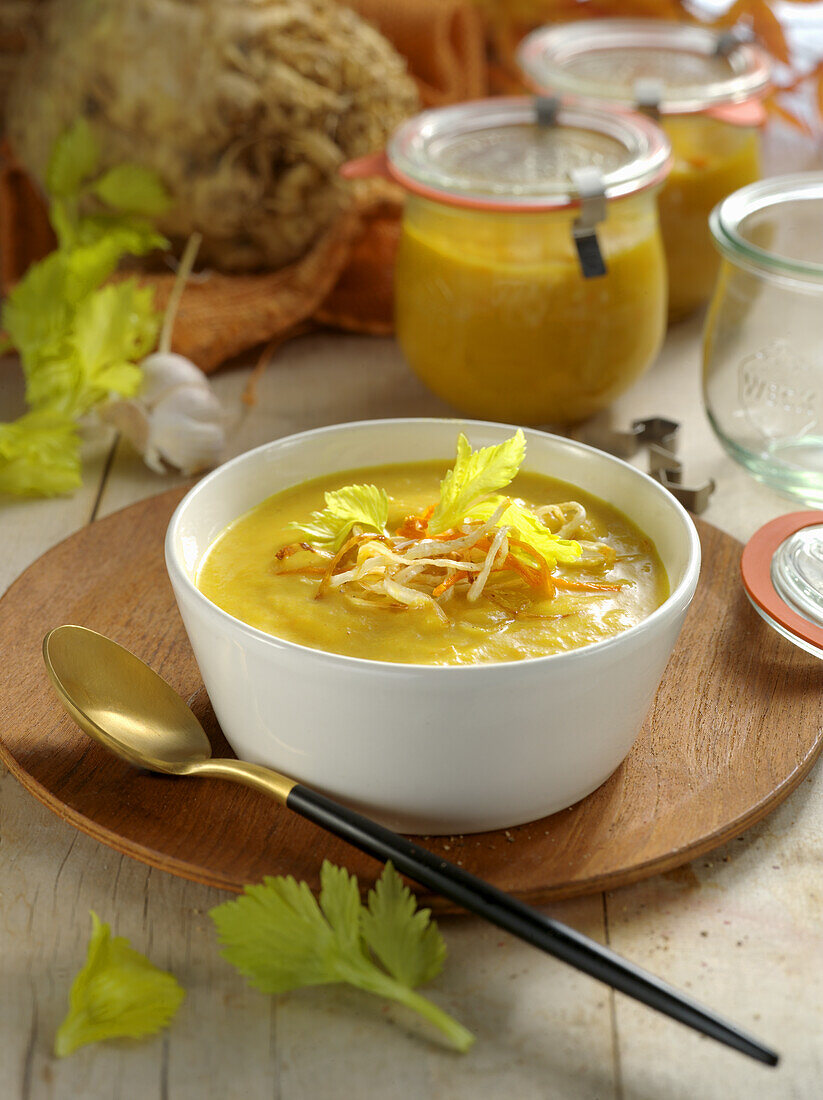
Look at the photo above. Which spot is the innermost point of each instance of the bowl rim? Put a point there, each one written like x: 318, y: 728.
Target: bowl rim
x: 679, y: 598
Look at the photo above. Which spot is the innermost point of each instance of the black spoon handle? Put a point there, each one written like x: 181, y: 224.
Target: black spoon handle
x: 472, y: 893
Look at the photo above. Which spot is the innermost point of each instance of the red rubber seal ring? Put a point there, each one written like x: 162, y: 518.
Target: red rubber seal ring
x: 756, y: 571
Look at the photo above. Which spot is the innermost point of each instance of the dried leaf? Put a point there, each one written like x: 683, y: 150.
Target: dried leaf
x: 739, y: 12
x: 249, y: 395
x: 503, y: 82
x: 798, y: 79
x: 790, y: 117
x: 637, y: 9
x: 768, y: 29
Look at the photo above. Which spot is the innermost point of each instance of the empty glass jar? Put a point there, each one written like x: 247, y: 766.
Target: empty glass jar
x: 763, y: 347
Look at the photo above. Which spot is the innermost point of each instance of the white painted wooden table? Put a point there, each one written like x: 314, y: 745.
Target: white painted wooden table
x: 741, y: 929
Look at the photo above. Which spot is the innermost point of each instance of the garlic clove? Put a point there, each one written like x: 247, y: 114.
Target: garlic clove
x: 191, y: 404
x: 153, y: 458
x: 130, y: 419
x: 186, y: 430
x: 197, y: 447
x: 175, y: 420
x: 165, y: 371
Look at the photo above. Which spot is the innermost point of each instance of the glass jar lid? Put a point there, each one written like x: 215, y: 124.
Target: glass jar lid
x: 523, y: 153
x: 773, y: 227
x: 677, y: 67
x: 782, y: 572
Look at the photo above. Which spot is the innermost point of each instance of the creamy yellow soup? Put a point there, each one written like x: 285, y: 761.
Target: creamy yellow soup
x: 494, y: 315
x: 711, y: 160
x: 242, y: 574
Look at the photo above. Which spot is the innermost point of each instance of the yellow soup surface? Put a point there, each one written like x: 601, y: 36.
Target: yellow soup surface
x: 711, y: 160
x: 494, y: 315
x: 239, y: 573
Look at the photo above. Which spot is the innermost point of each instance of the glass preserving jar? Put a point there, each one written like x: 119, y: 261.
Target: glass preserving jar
x: 530, y: 280
x: 705, y: 87
x: 763, y: 345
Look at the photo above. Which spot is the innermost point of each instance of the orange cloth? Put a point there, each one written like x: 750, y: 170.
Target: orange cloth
x: 442, y: 40
x: 346, y: 279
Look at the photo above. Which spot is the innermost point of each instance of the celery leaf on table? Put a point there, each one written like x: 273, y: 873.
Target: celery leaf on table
x: 402, y: 936
x: 280, y: 938
x: 79, y: 341
x: 39, y: 454
x: 474, y: 476
x: 132, y: 189
x: 117, y: 994
x: 123, y: 234
x: 113, y: 327
x: 37, y: 313
x: 101, y: 242
x: 74, y: 157
x: 353, y: 505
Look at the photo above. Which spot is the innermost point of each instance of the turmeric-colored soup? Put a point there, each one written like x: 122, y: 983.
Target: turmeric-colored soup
x: 399, y: 592
x: 711, y: 160
x: 494, y: 314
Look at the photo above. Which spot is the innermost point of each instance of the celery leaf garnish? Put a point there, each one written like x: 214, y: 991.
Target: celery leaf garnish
x: 117, y: 994
x: 354, y: 505
x: 531, y: 530
x: 279, y: 937
x: 474, y: 476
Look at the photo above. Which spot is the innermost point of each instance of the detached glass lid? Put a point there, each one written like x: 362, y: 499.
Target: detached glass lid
x: 677, y: 67
x: 782, y: 571
x: 524, y: 153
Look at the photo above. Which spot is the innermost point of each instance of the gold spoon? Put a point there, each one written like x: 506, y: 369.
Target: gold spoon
x: 123, y: 704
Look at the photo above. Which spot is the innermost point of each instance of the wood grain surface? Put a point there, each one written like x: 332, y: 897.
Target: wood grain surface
x: 735, y: 726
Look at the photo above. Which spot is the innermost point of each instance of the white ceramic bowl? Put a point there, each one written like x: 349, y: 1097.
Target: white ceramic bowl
x: 429, y: 749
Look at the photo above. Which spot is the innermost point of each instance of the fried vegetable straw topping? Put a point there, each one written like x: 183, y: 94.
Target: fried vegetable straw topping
x: 472, y: 542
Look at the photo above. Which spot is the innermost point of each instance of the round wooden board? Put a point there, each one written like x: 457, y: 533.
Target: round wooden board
x: 735, y: 726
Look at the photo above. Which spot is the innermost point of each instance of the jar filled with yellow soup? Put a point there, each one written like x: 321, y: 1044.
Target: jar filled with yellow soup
x: 530, y: 282
x: 705, y: 87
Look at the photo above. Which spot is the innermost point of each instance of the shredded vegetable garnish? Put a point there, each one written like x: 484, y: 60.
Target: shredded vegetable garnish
x: 494, y: 545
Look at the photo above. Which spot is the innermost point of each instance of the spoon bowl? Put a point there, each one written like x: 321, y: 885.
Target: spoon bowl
x: 122, y: 703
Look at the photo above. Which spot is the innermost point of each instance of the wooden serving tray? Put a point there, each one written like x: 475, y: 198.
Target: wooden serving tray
x: 735, y: 726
